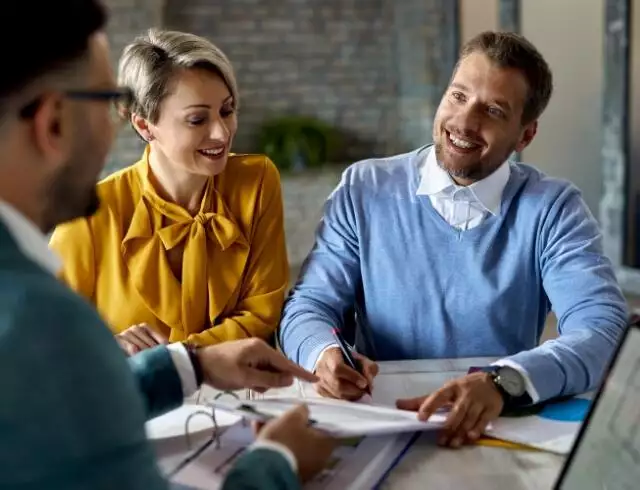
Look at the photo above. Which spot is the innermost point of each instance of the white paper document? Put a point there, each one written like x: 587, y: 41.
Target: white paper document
x: 553, y: 429
x: 337, y: 417
x: 356, y: 464
x: 538, y: 433
x: 387, y: 388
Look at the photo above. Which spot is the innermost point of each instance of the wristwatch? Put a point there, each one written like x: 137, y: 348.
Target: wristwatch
x: 511, y: 385
x: 192, y: 350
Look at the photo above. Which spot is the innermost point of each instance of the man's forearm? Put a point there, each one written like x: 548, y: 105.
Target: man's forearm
x: 158, y: 380
x: 304, y: 338
x: 571, y: 364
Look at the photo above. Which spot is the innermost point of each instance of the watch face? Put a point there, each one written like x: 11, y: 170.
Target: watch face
x: 511, y: 381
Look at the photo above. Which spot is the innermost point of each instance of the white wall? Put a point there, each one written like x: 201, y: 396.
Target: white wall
x: 477, y: 16
x: 570, y: 35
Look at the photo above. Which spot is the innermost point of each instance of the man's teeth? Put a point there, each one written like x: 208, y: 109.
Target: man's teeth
x: 214, y: 153
x: 460, y: 143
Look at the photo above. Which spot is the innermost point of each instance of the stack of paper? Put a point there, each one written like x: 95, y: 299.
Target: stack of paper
x: 337, y: 417
x: 553, y: 429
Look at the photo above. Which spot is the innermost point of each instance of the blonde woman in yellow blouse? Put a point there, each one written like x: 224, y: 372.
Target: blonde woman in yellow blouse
x: 189, y: 242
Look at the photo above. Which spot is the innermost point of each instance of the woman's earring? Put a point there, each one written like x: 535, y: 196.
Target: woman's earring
x: 149, y: 138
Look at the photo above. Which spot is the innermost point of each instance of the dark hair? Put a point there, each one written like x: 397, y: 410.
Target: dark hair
x: 510, y: 50
x: 55, y: 34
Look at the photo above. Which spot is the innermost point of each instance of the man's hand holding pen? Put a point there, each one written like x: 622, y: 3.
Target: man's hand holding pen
x: 344, y: 374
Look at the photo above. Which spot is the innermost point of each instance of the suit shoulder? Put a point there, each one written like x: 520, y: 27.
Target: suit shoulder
x: 34, y: 299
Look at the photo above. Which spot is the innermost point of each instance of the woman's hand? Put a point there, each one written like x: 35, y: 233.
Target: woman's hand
x: 138, y: 338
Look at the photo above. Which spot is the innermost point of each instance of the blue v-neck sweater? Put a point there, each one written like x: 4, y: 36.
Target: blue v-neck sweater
x: 423, y: 289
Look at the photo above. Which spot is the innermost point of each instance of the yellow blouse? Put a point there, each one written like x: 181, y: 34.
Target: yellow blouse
x: 234, y: 264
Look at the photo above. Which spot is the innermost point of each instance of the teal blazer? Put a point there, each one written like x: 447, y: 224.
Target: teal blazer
x: 71, y: 411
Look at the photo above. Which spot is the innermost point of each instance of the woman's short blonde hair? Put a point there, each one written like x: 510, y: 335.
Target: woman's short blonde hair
x: 148, y: 64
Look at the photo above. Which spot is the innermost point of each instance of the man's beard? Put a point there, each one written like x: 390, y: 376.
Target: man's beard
x: 469, y: 172
x: 67, y: 196
x: 475, y: 171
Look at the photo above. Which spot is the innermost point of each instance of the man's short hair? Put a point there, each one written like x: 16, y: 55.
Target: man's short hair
x: 510, y: 50
x: 55, y: 33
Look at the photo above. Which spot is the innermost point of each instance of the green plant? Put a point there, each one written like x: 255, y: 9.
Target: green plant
x: 297, y: 142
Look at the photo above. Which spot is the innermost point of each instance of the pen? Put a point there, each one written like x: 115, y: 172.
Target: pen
x: 348, y: 356
x: 254, y: 414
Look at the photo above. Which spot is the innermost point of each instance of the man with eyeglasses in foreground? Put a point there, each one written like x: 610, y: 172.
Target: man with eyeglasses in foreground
x: 72, y: 415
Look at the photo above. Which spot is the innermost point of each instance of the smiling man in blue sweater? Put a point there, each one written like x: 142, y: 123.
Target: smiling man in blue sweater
x: 452, y: 250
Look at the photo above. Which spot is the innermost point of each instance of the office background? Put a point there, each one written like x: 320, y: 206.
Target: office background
x: 371, y: 72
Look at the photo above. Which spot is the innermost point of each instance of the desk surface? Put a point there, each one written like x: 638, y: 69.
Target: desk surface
x: 473, y: 467
x: 426, y: 465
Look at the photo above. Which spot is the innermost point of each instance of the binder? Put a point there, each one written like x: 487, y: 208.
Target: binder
x: 357, y: 463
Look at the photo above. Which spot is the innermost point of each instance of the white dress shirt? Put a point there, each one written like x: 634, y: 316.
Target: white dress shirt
x: 462, y: 207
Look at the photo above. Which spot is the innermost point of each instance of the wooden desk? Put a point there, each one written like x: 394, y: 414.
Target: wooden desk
x: 427, y: 466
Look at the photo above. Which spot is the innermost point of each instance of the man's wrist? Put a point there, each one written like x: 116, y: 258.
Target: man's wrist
x: 510, y: 389
x: 192, y: 350
x: 321, y: 355
x: 528, y: 382
x: 184, y: 367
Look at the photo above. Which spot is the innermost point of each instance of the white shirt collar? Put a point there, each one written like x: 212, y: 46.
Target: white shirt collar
x: 488, y: 191
x: 30, y: 240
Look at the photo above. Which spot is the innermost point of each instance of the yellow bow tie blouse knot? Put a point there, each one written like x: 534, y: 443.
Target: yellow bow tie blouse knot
x: 168, y: 228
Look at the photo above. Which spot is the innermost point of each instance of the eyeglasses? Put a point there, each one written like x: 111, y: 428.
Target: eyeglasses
x: 119, y: 98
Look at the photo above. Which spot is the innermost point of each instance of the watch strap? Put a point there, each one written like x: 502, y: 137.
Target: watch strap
x: 192, y: 350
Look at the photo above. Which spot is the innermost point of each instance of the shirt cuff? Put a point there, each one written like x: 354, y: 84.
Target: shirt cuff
x: 531, y: 390
x: 182, y: 363
x: 283, y: 450
x: 320, y: 355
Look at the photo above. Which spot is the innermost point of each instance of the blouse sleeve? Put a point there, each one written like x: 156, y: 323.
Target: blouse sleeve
x: 73, y: 243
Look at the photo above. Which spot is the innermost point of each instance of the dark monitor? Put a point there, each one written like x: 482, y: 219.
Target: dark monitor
x: 606, y: 453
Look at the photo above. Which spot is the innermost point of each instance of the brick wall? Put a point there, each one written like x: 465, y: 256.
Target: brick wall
x: 328, y: 58
x: 371, y: 68
x: 128, y: 19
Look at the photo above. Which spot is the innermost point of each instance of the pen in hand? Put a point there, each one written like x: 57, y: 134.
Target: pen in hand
x: 349, y: 358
